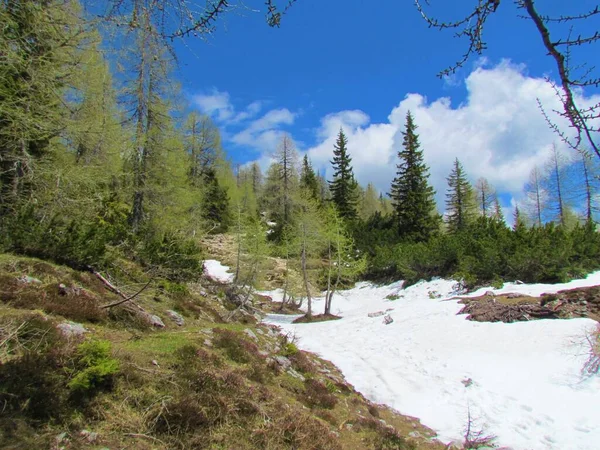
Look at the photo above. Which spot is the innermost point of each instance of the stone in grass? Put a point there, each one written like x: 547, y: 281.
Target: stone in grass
x: 29, y: 280
x: 89, y: 436
x: 153, y: 319
x: 283, y: 362
x: 388, y: 319
x: 250, y: 334
x: 176, y: 317
x: 71, y: 329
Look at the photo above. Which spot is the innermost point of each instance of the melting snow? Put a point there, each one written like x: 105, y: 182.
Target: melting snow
x: 520, y: 381
x: 217, y: 271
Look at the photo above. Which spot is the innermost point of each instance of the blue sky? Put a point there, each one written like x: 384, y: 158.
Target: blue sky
x: 361, y: 65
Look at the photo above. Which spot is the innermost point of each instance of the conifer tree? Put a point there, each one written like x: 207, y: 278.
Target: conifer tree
x: 411, y: 193
x: 497, y: 213
x: 369, y: 204
x: 39, y: 44
x: 287, y: 157
x: 308, y: 179
x: 460, y: 204
x: 536, y: 196
x: 486, y: 197
x: 343, y: 186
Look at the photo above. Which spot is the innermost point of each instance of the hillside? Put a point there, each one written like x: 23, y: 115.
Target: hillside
x: 167, y: 370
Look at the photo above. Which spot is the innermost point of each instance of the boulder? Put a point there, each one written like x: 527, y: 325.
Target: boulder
x: 71, y: 329
x: 176, y: 317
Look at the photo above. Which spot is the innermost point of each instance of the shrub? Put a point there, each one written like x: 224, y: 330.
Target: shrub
x: 316, y: 394
x: 592, y: 364
x: 237, y: 348
x: 94, y: 368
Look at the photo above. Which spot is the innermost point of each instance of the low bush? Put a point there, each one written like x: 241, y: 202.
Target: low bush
x: 236, y: 347
x: 317, y: 395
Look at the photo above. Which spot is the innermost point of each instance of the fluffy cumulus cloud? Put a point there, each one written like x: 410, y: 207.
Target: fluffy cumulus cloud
x: 498, y: 132
x: 245, y: 127
x: 265, y: 132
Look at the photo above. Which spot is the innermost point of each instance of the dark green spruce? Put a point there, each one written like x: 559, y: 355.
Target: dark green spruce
x: 343, y: 186
x: 412, y: 195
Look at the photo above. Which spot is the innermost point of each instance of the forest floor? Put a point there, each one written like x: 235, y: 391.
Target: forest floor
x: 188, y: 376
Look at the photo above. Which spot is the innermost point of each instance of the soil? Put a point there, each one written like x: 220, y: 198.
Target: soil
x: 567, y: 304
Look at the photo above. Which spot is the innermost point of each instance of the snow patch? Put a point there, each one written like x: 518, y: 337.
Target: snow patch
x: 524, y: 378
x: 217, y: 271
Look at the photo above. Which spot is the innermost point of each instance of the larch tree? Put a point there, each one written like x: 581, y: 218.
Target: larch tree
x: 343, y: 185
x: 460, y: 201
x: 369, y: 203
x: 536, y: 196
x: 39, y: 48
x: 412, y: 195
x: 287, y: 159
x: 590, y: 184
x: 343, y: 264
x: 486, y: 197
x: 557, y: 183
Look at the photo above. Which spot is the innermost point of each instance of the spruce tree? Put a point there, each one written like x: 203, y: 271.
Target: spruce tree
x: 308, y: 179
x: 460, y: 202
x: 343, y: 186
x: 411, y: 193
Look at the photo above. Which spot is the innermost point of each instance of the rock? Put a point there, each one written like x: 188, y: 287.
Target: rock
x: 29, y: 280
x: 62, y: 289
x: 295, y: 374
x: 89, y: 436
x: 513, y: 295
x: 155, y: 363
x: 489, y: 294
x: 467, y: 382
x: 176, y: 317
x: 283, y: 362
x: 259, y: 331
x: 62, y: 437
x: 415, y: 435
x: 263, y: 353
x: 208, y: 342
x: 455, y: 445
x: 206, y: 330
x: 250, y: 334
x: 71, y: 329
x: 152, y: 319
x: 388, y: 319
x: 376, y: 314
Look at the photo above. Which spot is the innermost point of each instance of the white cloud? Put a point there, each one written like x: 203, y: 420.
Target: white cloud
x: 498, y: 132
x: 264, y: 133
x: 218, y: 105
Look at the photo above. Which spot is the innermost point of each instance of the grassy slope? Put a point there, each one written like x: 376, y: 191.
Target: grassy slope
x: 206, y: 384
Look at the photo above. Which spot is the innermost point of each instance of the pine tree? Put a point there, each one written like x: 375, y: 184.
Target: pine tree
x: 343, y: 185
x: 411, y: 193
x: 460, y: 204
x: 308, y: 179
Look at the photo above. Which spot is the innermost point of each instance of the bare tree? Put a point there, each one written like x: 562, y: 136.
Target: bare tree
x: 590, y: 170
x: 561, y: 46
x: 187, y: 18
x: 557, y: 185
x: 486, y: 196
x: 536, y: 196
